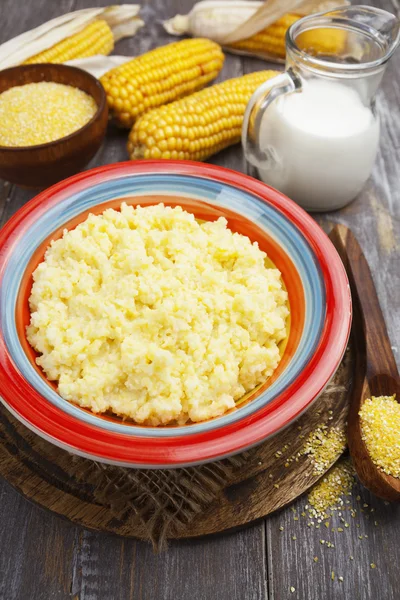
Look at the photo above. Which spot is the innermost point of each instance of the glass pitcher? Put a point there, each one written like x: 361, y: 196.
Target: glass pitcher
x: 313, y: 131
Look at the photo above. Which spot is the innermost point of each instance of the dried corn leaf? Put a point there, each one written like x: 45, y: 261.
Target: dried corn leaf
x: 268, y: 13
x: 212, y: 18
x: 98, y: 64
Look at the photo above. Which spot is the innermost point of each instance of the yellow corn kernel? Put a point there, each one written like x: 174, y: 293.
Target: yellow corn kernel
x: 95, y: 38
x: 198, y: 126
x: 270, y: 40
x: 322, y: 41
x: 160, y: 76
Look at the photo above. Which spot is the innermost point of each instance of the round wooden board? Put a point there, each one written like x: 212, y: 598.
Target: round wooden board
x: 47, y: 475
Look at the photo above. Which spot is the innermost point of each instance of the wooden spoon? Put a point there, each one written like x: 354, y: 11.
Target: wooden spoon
x: 376, y: 372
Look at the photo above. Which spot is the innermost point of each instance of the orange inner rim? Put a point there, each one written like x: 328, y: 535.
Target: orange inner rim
x: 202, y: 211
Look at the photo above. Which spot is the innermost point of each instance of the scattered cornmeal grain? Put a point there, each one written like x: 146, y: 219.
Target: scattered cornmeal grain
x: 327, y: 494
x: 380, y: 424
x: 324, y: 445
x: 38, y: 113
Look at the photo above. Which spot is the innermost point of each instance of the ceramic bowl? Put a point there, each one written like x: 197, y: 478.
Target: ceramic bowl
x: 314, y: 276
x: 44, y: 164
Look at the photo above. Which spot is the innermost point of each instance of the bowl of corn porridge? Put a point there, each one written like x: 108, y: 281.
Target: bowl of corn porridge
x: 161, y: 315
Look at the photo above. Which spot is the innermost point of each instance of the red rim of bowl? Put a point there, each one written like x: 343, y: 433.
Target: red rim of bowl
x: 87, y: 440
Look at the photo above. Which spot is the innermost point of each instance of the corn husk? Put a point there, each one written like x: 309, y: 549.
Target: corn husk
x: 230, y: 21
x: 98, y: 64
x: 123, y: 20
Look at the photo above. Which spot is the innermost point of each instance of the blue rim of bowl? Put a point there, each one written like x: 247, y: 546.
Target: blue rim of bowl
x: 194, y: 187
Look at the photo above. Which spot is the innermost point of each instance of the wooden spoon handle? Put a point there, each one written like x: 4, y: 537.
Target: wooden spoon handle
x: 379, y: 355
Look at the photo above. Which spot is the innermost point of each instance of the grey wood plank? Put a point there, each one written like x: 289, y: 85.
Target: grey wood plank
x: 374, y: 214
x: 5, y: 199
x: 36, y: 550
x: 291, y: 562
x: 229, y: 567
x: 374, y: 218
x: 16, y: 16
x: 29, y: 567
x: 213, y: 560
x: 93, y: 566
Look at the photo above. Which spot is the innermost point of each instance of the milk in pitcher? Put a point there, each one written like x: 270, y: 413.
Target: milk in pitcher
x: 320, y: 144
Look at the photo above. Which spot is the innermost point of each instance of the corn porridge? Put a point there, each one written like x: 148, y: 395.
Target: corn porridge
x: 156, y: 317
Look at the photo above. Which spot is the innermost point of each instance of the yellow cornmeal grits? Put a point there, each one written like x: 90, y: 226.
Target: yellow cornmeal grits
x: 155, y: 317
x: 38, y: 113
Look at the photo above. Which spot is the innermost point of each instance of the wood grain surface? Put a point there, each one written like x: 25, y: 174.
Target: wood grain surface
x: 376, y: 371
x: 43, y: 557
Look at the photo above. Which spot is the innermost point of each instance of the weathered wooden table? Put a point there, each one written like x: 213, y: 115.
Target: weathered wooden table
x: 43, y: 557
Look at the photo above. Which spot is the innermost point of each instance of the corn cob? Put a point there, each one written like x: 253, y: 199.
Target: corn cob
x: 322, y: 41
x: 160, y: 76
x: 198, y: 126
x: 95, y: 38
x: 270, y: 40
x: 248, y: 26
x: 123, y: 21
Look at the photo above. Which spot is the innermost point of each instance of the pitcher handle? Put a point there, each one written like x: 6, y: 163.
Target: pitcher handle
x: 259, y: 102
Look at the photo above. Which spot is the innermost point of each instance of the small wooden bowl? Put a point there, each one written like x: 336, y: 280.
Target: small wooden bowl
x: 44, y: 164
